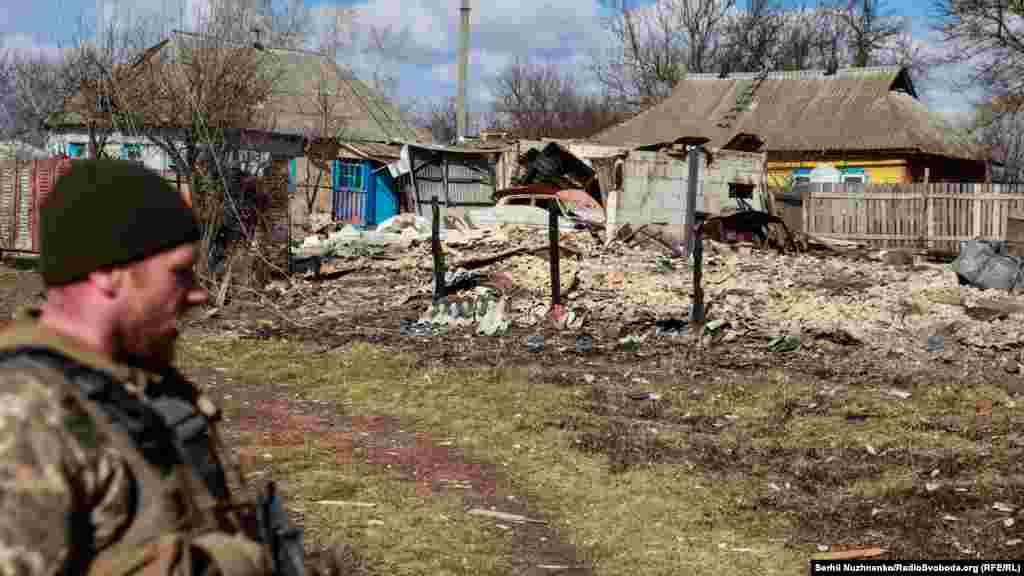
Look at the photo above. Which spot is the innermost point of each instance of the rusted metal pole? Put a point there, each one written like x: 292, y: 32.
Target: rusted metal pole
x: 556, y: 281
x: 435, y: 248
x: 697, y: 308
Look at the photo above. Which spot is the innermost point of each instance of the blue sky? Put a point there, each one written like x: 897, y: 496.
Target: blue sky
x: 561, y: 30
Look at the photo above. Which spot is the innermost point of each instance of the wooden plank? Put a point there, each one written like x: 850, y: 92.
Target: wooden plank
x: 976, y: 229
x: 900, y: 237
x: 917, y: 195
x: 887, y: 195
x: 805, y: 210
x: 850, y: 554
x: 926, y: 216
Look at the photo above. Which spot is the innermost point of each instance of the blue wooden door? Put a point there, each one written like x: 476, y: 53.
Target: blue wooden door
x: 385, y: 198
x: 350, y: 191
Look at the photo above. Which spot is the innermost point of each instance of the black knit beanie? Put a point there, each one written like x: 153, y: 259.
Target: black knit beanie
x: 105, y: 213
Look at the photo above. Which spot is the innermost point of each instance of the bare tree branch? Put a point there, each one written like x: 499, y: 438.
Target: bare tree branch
x: 988, y: 36
x: 870, y: 30
x: 539, y: 100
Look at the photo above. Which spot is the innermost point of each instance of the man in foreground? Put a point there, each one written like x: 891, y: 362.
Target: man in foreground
x: 109, y: 459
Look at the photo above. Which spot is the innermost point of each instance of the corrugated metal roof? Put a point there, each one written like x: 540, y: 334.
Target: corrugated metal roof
x: 853, y: 109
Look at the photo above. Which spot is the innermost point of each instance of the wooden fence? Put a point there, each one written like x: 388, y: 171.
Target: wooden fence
x: 934, y: 216
x: 24, y: 185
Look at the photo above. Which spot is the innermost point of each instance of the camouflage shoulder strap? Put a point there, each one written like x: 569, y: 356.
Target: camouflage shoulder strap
x: 167, y: 429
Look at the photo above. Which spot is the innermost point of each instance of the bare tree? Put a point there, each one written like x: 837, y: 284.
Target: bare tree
x: 999, y: 130
x: 43, y: 83
x: 703, y: 22
x: 39, y: 85
x: 6, y: 91
x: 799, y: 39
x: 439, y: 116
x: 283, y: 24
x: 653, y: 46
x: 871, y: 29
x: 753, y: 37
x: 188, y: 95
x: 647, y: 56
x: 988, y: 36
x: 539, y: 100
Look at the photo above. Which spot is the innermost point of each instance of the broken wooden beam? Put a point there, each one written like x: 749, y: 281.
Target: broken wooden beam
x: 850, y: 554
x: 505, y: 516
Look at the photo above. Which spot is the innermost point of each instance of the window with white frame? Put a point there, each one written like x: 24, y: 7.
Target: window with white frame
x: 350, y: 175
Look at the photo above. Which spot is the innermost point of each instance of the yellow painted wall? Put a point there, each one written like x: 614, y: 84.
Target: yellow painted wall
x: 878, y: 171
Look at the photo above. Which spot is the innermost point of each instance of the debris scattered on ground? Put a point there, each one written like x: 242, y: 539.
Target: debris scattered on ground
x: 343, y: 503
x: 628, y: 289
x: 850, y: 554
x: 584, y: 344
x: 896, y: 393
x: 936, y: 343
x: 1003, y: 507
x: 784, y: 344
x: 535, y: 343
x: 504, y: 516
x: 986, y: 264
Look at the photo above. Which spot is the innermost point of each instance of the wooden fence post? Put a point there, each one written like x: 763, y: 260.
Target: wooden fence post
x: 805, y: 210
x: 435, y: 248
x: 976, y: 221
x: 697, y: 306
x: 930, y: 215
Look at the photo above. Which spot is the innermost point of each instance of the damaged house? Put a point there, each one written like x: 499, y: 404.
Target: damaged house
x: 645, y: 184
x: 331, y: 133
x: 857, y: 125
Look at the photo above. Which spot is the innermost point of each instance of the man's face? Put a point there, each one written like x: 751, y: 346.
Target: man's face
x: 157, y: 292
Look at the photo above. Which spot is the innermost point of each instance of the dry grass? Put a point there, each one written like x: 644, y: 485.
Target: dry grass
x: 731, y: 474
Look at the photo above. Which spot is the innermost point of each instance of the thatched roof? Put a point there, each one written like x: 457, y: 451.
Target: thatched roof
x: 361, y: 114
x: 306, y: 86
x: 856, y: 109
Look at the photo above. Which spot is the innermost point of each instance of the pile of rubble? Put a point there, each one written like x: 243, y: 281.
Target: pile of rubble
x: 502, y: 274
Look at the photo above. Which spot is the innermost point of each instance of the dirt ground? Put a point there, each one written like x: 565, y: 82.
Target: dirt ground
x: 455, y: 453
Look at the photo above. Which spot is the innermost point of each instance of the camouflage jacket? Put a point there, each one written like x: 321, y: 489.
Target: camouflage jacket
x: 78, y: 495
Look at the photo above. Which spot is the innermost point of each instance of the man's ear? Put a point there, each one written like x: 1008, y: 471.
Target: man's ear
x: 108, y: 280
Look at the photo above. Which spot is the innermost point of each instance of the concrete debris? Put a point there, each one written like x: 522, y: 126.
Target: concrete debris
x: 846, y: 296
x: 897, y: 393
x: 584, y: 344
x: 494, y: 322
x: 319, y: 221
x: 631, y: 341
x: 784, y: 344
x: 402, y: 222
x: 936, y: 343
x: 1003, y: 507
x: 535, y: 343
